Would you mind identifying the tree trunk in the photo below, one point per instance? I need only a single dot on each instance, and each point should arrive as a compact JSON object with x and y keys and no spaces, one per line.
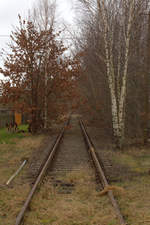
{"x":147,"y":89}
{"x":45,"y":97}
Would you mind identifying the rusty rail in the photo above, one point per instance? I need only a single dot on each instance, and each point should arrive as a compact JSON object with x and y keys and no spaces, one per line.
{"x":101,"y":173}
{"x":41,"y":175}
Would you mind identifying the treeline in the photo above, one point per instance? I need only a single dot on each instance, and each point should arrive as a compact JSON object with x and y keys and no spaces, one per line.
{"x":40,"y":74}
{"x":115,"y":43}
{"x":112,"y":49}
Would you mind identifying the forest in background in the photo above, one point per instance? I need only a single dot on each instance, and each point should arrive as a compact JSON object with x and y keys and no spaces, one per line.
{"x":115,"y":41}
{"x":108,"y":68}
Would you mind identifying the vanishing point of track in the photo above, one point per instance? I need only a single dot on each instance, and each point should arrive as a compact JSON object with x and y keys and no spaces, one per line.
{"x":98,"y":166}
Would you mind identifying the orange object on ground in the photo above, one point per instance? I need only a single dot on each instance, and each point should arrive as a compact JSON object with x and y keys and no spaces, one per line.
{"x":18,"y":118}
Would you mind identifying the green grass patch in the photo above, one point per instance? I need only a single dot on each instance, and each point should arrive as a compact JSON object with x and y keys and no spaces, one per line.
{"x":8,"y":137}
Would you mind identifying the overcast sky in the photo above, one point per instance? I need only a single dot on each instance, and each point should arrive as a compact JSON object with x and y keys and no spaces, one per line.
{"x":9,"y":10}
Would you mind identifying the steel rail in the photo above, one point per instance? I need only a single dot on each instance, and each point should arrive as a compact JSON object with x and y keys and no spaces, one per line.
{"x":41,"y":175}
{"x":101,"y":173}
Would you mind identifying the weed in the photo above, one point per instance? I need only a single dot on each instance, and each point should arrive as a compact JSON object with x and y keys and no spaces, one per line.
{"x":8,"y":137}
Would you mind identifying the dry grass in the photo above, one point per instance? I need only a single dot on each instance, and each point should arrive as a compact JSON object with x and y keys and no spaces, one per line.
{"x":136,"y":159}
{"x":11,"y":200}
{"x":82,"y":207}
{"x":135,"y":203}
{"x":11,"y":157}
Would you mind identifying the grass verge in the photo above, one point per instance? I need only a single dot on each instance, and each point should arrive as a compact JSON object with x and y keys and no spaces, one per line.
{"x":11,"y":157}
{"x":135,"y":202}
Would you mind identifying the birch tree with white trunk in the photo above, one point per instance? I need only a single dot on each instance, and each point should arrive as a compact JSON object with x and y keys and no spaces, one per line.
{"x":116,"y":19}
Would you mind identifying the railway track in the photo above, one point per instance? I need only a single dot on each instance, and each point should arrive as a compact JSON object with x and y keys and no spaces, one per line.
{"x":62,"y":159}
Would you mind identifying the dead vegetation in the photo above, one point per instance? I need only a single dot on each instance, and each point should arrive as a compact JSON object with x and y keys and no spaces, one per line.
{"x":82,"y":207}
{"x":135,"y":201}
{"x":85,"y":205}
{"x":11,"y":157}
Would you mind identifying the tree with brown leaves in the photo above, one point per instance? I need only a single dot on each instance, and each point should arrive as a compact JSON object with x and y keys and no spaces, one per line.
{"x":37,"y":70}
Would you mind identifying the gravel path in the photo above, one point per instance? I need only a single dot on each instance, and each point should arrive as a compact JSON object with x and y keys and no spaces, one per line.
{"x":72,"y":154}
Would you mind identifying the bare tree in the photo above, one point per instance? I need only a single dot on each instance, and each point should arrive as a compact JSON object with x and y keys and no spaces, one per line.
{"x":115,"y":20}
{"x":44,"y":16}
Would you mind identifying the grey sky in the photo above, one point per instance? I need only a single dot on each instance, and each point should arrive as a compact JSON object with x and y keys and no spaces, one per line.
{"x":9,"y":10}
